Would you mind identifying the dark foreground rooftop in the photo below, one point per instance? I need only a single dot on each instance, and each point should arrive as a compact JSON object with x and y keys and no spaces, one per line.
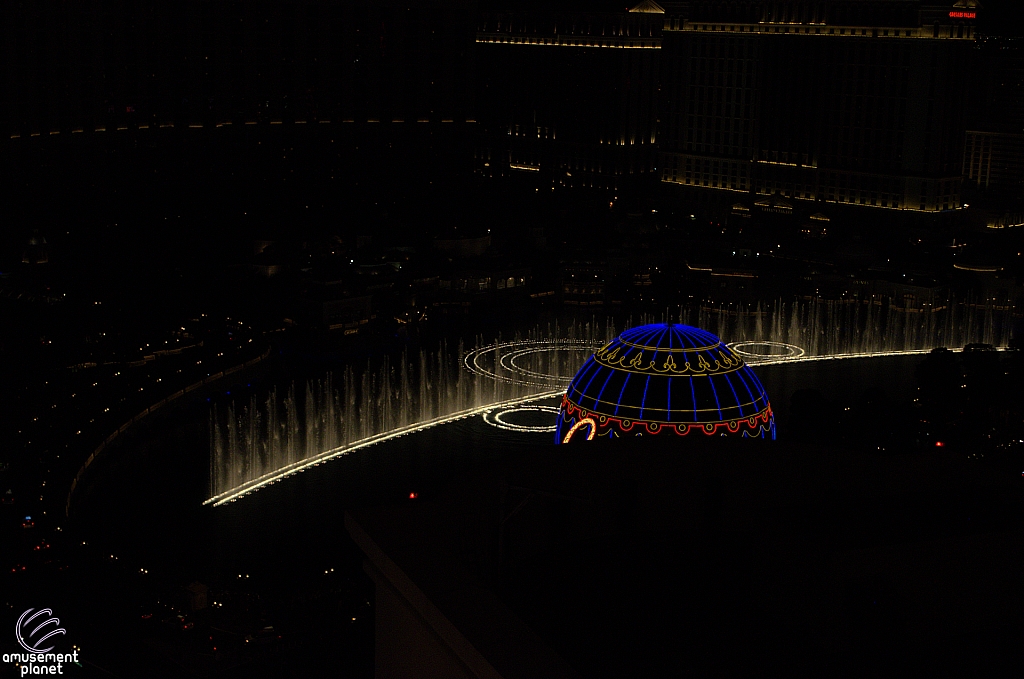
{"x":644,"y":558}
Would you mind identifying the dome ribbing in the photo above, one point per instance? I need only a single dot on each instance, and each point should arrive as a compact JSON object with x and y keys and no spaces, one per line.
{"x":665,"y":379}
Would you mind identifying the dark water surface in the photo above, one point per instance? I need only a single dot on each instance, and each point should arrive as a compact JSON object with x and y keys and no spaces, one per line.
{"x":144,"y":501}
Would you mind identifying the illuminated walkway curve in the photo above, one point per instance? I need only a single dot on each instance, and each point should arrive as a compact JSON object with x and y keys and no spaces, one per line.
{"x":302,"y":465}
{"x":472,"y":363}
{"x":775,"y":360}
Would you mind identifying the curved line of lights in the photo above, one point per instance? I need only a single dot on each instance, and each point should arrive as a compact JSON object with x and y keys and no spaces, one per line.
{"x":55,"y":621}
{"x":515,"y":374}
{"x":588,"y":421}
{"x":495,"y":417}
{"x":508,"y":362}
{"x":59,"y":630}
{"x":471,"y":361}
{"x":511,"y":372}
{"x":792,"y":350}
{"x":836,"y":357}
{"x":17,"y":631}
{"x":758,"y":422}
{"x":302,"y":465}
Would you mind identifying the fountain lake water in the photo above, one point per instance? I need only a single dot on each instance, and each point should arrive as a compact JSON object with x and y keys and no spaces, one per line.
{"x":272,"y":436}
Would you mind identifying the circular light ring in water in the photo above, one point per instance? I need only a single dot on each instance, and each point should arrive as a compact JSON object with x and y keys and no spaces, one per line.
{"x":787,"y":351}
{"x":481,"y":361}
{"x":495,"y":418}
{"x":508,"y":362}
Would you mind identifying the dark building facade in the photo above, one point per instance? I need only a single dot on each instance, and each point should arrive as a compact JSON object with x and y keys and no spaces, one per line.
{"x":993,"y":163}
{"x":857,"y":103}
{"x":569,"y":99}
{"x":851,"y":103}
{"x":83,"y":67}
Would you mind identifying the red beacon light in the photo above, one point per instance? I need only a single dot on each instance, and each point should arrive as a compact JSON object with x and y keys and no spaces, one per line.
{"x":413,"y":496}
{"x":939,"y":444}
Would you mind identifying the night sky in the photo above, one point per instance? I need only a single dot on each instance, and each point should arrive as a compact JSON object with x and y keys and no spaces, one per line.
{"x":242,"y":241}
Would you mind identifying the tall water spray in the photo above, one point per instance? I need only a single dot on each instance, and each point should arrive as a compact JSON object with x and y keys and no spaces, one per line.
{"x":251,"y":441}
{"x":268,"y":434}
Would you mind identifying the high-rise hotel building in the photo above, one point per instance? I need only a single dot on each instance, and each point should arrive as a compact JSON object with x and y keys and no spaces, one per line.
{"x":857,"y":102}
{"x":994,"y":148}
{"x":569,"y":99}
{"x":837,"y":101}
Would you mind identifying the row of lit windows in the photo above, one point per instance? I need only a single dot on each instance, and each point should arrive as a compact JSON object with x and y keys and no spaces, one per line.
{"x":707,"y":180}
{"x":855,"y":197}
{"x":583,"y":289}
{"x":837,"y":188}
{"x":530,"y":131}
{"x":584,"y":166}
{"x":629,"y":25}
{"x":800,"y":12}
{"x":562,"y":41}
{"x":935,"y":31}
{"x":482,"y":283}
{"x":709,"y":172}
{"x":510,"y":282}
{"x":787,"y":189}
{"x":144,"y":127}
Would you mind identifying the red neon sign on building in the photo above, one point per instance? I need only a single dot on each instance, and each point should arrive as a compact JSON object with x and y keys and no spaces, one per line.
{"x":962,"y":15}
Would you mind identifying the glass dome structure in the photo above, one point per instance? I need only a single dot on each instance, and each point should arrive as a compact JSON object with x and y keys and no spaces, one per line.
{"x":664,"y":379}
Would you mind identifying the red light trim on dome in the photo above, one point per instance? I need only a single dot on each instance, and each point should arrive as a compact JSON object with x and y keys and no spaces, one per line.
{"x":589,"y":421}
{"x":754,"y":423}
{"x":657,"y":357}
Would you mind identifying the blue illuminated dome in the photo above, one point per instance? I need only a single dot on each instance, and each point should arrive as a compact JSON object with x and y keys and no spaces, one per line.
{"x":664,"y":379}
